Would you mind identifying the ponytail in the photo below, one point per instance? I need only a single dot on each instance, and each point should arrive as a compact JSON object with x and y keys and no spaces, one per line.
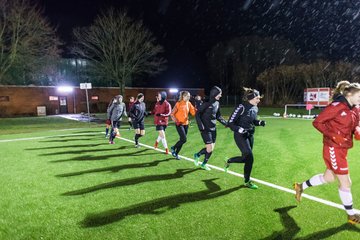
{"x":340,"y":88}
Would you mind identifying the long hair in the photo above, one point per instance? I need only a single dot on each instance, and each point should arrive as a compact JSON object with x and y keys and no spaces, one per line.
{"x":182,"y":94}
{"x":340,"y":87}
{"x":351,"y":89}
{"x":111,"y":102}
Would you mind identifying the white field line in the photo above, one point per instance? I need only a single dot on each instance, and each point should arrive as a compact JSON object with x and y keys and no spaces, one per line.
{"x":316,"y":199}
{"x":304,"y":195}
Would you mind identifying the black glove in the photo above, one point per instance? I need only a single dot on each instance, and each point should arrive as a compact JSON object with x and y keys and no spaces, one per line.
{"x":243,"y":132}
{"x":262,"y":123}
{"x":158,"y":114}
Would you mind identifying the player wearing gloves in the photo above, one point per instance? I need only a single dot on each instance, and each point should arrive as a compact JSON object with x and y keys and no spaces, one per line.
{"x":137,"y":114}
{"x":206,"y":116}
{"x":337,"y":122}
{"x":180,"y":115}
{"x":161,"y":112}
{"x":243,"y":121}
{"x":115,"y":112}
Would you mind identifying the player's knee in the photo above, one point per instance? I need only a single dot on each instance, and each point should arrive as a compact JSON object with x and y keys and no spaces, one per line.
{"x":248,"y":156}
{"x":329,"y":178}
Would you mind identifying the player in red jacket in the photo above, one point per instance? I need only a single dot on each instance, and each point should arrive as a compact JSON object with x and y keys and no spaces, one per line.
{"x":161,"y":113}
{"x":337,"y":122}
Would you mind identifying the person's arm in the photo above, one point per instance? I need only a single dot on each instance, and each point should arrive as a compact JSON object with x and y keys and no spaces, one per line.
{"x":220,"y":118}
{"x":192,"y":109}
{"x":167,"y":110}
{"x":109,"y":111}
{"x":321,"y":122}
{"x":238,"y":111}
{"x":133,"y":111}
{"x":124,"y":110}
{"x":259,"y":122}
{"x":173,"y":112}
{"x":198,"y":114}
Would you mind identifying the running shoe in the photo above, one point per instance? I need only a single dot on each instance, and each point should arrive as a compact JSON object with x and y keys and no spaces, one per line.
{"x":226,"y":166}
{"x":354,"y":219}
{"x":173,"y":153}
{"x":205,"y":167}
{"x":298,"y":191}
{"x":196,"y":159}
{"x":251,"y":185}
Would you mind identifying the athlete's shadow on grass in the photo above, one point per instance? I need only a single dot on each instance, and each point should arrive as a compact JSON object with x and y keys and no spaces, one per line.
{"x":66,"y":140}
{"x":68,"y":146}
{"x":105,"y":157}
{"x":291,"y":228}
{"x":73,"y":137}
{"x":157,"y":206}
{"x":116,"y":168}
{"x":87,"y":150}
{"x":133,"y":181}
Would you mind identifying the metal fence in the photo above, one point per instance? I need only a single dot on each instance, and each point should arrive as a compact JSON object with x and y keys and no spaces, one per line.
{"x":230,"y":100}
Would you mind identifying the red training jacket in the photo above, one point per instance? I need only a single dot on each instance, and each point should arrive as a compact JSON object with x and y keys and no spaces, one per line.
{"x":337,"y":119}
{"x":164,"y":109}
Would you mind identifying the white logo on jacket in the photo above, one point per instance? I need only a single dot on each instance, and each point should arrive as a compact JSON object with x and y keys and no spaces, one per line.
{"x":343,"y":114}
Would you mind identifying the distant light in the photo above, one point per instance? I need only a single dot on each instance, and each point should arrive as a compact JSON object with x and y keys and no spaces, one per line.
{"x":173,"y":90}
{"x":65,"y":89}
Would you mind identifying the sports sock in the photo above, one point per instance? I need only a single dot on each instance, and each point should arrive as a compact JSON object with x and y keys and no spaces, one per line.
{"x":207,"y":156}
{"x":137,"y":136}
{"x":202,"y":151}
{"x":163,"y":140}
{"x":158,"y":139}
{"x":346,"y":199}
{"x":106,"y":131}
{"x":314,"y":181}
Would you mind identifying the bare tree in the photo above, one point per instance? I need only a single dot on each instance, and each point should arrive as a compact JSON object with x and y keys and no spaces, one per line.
{"x":119,"y":48}
{"x":285,"y":84}
{"x":28,"y":44}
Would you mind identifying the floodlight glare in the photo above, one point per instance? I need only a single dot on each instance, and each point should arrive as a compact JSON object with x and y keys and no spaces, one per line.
{"x":65,"y":89}
{"x":173,"y":90}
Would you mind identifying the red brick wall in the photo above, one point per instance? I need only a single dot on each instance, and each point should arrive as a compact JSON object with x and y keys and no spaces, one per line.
{"x":24,"y":100}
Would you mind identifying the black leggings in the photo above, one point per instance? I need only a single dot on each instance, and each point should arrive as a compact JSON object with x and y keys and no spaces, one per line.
{"x":245,"y":144}
{"x":182,"y":131}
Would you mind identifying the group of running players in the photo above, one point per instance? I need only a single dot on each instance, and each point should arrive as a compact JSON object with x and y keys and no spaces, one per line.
{"x":242,"y":122}
{"x":338,"y":122}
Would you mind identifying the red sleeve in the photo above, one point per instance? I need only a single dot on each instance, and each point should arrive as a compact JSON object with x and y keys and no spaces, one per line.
{"x":321,"y":123}
{"x":167,"y":109}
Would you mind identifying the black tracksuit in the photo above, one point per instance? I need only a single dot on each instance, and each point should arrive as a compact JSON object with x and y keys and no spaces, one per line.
{"x":137,"y":114}
{"x":206,"y":116}
{"x":244,"y":116}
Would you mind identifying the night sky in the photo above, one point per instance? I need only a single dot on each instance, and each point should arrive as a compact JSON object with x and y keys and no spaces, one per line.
{"x":188,"y":29}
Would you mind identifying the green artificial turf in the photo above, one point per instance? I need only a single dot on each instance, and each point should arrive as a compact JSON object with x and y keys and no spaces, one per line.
{"x":72,"y":184}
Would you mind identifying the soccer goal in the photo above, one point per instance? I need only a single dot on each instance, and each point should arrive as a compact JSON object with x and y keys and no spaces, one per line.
{"x":298,"y":111}
{"x":313,"y":98}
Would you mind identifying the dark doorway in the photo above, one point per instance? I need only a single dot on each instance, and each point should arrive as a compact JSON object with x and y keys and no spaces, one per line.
{"x":63,"y":105}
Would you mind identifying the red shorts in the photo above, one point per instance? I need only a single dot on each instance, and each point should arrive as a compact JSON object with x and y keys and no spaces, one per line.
{"x":108,"y":122}
{"x":335,"y":159}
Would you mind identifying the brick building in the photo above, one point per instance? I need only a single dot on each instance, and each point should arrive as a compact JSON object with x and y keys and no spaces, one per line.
{"x":32,"y":100}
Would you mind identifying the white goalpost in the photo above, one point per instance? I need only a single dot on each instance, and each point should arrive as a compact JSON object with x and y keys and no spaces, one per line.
{"x":313,"y":97}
